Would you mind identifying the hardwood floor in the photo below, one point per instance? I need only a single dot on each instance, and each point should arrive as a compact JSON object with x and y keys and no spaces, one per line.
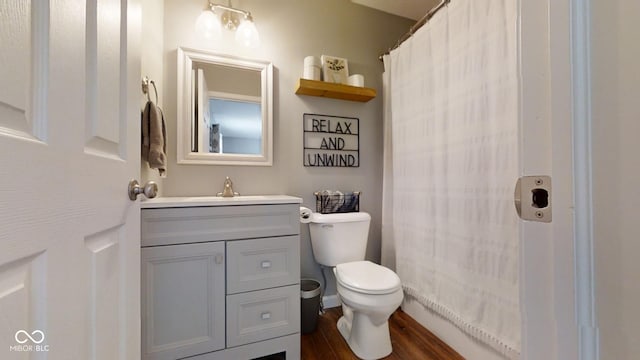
{"x":409,"y":339}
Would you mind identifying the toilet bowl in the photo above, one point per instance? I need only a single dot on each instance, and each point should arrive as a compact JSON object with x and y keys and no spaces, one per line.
{"x":370,"y":293}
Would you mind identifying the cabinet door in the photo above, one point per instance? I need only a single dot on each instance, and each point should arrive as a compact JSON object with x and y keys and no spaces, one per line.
{"x":183,"y":294}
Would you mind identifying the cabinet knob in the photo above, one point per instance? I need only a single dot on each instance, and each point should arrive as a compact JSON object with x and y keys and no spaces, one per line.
{"x":218,"y":259}
{"x":265,"y":264}
{"x":266,"y":315}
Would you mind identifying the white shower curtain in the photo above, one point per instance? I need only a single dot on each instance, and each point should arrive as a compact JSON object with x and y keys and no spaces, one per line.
{"x":451,"y":163}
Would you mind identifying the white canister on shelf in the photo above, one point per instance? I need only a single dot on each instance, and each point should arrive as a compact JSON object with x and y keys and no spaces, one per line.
{"x":312,"y":68}
{"x":356,"y":80}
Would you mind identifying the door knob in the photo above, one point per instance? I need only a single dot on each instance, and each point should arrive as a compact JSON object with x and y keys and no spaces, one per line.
{"x":150,"y":189}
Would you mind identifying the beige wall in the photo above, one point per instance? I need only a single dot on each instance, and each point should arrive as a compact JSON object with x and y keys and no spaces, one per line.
{"x":151,"y":65}
{"x":616,"y":175}
{"x":289,"y":31}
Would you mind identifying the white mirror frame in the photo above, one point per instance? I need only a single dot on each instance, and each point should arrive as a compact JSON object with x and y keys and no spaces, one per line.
{"x":186,"y":57}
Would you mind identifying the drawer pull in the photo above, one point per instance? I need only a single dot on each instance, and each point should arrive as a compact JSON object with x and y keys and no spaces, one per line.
{"x":265,"y":315}
{"x":265,"y":264}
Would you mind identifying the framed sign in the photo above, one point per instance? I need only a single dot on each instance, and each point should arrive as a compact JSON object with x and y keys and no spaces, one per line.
{"x":331,"y":141}
{"x":335,"y":69}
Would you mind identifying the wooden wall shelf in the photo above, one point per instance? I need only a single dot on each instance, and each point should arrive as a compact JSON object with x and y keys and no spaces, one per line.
{"x":334,"y":91}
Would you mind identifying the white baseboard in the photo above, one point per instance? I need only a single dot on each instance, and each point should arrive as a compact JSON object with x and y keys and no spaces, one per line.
{"x":330,"y":301}
{"x":464,"y":344}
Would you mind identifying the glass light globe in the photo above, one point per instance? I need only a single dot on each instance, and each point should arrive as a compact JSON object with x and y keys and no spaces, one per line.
{"x":208,"y":25}
{"x":247,"y":34}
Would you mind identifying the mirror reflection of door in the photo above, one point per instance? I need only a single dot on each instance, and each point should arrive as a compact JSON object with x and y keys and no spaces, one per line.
{"x":193,"y":117}
{"x":203,"y":117}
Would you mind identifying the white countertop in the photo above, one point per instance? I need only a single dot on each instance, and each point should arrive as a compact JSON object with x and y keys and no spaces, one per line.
{"x":191,"y":201}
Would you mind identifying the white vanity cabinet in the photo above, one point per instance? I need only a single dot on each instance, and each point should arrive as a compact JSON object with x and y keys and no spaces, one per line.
{"x":220,"y":279}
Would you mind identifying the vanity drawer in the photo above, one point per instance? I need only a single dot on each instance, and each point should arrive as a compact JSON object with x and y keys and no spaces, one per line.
{"x":168,"y":226}
{"x":264,"y":314}
{"x":262,"y":263}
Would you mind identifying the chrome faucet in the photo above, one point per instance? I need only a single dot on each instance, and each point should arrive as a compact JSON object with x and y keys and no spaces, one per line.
{"x":228,"y":189}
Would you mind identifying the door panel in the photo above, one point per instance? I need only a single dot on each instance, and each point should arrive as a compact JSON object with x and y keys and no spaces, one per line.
{"x":104,"y":292}
{"x":104,"y":118}
{"x":19,"y":294}
{"x":24,"y":57}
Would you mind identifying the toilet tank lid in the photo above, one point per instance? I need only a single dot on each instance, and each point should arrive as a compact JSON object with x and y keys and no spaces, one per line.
{"x":340,"y":218}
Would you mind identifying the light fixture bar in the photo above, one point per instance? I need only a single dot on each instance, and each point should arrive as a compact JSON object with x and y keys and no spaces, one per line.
{"x":214,"y":6}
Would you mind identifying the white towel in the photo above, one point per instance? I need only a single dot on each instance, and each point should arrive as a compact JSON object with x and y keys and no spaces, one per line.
{"x":339,"y":198}
{"x":331,"y":200}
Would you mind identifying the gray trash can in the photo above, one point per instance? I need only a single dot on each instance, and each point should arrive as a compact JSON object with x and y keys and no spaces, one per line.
{"x":310,"y":304}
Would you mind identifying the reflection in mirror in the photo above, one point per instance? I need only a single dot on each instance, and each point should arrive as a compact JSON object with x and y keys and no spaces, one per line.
{"x":235,"y":126}
{"x":225,"y":109}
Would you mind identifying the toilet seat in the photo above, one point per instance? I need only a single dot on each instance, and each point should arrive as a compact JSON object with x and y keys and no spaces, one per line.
{"x":367,"y":278}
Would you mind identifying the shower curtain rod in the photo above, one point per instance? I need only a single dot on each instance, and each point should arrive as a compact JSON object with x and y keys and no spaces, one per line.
{"x":423,"y":20}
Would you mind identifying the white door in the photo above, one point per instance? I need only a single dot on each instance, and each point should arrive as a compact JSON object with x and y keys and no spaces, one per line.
{"x":69,"y":144}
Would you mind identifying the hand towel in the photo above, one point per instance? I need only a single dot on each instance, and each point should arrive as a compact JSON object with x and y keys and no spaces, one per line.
{"x":338,"y":198}
{"x":331,"y":201}
{"x":154,"y":134}
{"x":350,"y":202}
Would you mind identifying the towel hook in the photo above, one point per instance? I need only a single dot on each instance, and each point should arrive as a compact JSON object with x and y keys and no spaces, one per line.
{"x":145,"y":88}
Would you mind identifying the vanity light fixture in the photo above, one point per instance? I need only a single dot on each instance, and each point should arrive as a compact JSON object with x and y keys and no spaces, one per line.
{"x":216,"y":16}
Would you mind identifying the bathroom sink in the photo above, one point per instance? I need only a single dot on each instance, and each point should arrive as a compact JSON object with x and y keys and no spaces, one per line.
{"x":190,"y":201}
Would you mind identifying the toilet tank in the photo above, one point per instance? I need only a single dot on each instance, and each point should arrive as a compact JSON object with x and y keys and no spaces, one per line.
{"x":339,"y":238}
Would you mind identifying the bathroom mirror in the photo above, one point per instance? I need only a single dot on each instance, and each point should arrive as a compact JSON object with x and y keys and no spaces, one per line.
{"x":225,"y":109}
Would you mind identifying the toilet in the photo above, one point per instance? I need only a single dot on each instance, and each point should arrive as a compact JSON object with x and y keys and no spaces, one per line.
{"x":370,"y":293}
